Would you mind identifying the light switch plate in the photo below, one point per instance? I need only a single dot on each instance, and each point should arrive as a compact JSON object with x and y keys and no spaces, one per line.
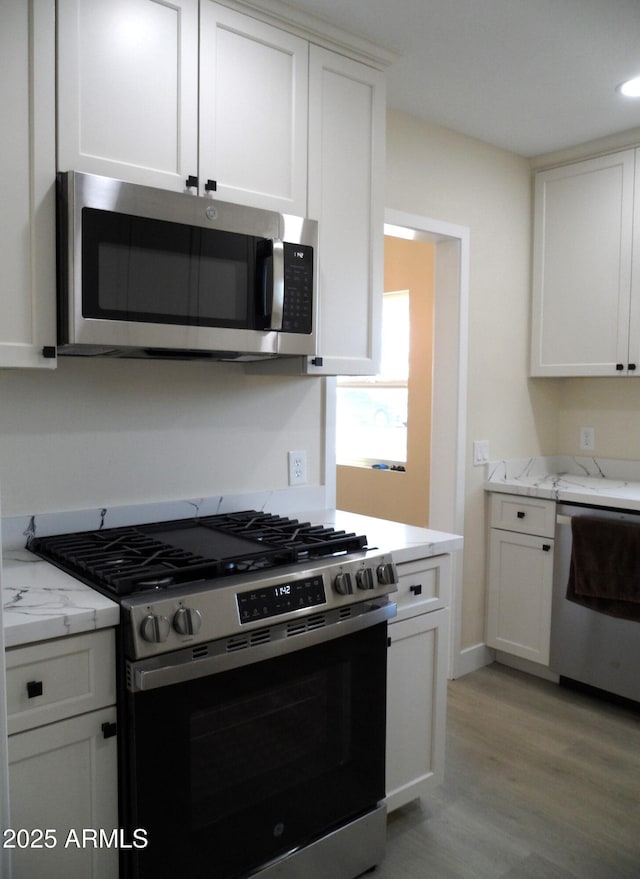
{"x":480,"y":452}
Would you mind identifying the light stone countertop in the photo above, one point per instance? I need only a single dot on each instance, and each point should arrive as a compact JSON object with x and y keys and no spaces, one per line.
{"x":405,"y":542}
{"x":595,"y":481}
{"x":42,"y":602}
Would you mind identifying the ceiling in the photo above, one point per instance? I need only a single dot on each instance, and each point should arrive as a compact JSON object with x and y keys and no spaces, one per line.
{"x":532,"y":76}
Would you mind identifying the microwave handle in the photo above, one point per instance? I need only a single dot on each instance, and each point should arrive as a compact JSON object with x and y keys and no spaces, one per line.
{"x":277,"y":303}
{"x":270,"y":302}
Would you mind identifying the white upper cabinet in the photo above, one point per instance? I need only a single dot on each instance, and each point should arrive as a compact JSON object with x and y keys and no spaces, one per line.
{"x":156,"y":92}
{"x":159,"y":91}
{"x":128,"y":89}
{"x":253,"y":111}
{"x":346,"y":196}
{"x":27,"y":183}
{"x":583,"y":303}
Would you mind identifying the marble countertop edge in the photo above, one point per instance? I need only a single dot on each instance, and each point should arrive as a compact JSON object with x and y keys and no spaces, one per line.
{"x":40,"y":602}
{"x":597,"y":482}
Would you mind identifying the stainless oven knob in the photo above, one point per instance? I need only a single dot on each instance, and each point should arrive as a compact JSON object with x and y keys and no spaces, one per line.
{"x":343,"y":585}
{"x":155,"y":628}
{"x":386,"y":574}
{"x":187,"y":621}
{"x":364,"y":578}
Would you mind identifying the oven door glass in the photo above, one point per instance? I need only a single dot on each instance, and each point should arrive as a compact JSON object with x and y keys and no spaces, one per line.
{"x":231,"y":771}
{"x":143,"y":269}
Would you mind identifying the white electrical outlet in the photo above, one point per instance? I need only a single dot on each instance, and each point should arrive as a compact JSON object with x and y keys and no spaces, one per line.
{"x":297,"y":468}
{"x":587,"y":439}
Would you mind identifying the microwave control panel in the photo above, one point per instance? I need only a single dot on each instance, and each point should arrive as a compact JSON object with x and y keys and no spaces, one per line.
{"x":298,"y":288}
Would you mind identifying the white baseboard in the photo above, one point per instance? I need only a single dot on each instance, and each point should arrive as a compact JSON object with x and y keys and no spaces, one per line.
{"x":471,"y":659}
{"x":532,"y":668}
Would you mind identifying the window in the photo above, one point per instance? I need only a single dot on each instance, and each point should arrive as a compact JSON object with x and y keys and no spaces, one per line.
{"x":371,"y":418}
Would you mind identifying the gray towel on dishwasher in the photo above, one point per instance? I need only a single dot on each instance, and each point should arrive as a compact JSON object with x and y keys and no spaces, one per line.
{"x":605,"y":566}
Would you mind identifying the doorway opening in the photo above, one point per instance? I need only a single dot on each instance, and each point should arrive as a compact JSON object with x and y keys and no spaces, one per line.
{"x":383,"y":422}
{"x":446,"y":462}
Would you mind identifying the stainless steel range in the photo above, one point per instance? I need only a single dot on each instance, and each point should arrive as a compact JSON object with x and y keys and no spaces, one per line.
{"x":252,"y":692}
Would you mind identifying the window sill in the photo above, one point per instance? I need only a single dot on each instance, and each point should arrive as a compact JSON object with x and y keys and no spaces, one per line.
{"x":384,"y":466}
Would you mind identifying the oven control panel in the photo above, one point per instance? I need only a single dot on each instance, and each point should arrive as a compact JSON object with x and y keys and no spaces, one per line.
{"x":271,"y":601}
{"x":208,"y":611}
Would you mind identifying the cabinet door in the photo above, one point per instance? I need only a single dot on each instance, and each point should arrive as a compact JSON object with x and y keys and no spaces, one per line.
{"x":27,"y":182}
{"x":253,"y":111}
{"x":582,"y":267}
{"x":346,"y":195}
{"x":634,"y":322}
{"x":63,"y":777}
{"x":416,"y":705}
{"x":128,"y":89}
{"x":520,"y":584}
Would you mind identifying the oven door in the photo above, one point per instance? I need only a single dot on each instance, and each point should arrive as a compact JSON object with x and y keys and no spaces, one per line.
{"x":233,"y":770}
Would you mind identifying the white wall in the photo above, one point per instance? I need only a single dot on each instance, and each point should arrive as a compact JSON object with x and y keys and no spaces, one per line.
{"x":449,"y":177}
{"x":116,"y":432}
{"x":610,"y":405}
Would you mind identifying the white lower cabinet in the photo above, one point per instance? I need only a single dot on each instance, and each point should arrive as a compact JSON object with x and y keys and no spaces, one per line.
{"x":63,"y":759}
{"x":416,"y":710}
{"x":520,"y":576}
{"x":62,"y":780}
{"x":417,"y":680}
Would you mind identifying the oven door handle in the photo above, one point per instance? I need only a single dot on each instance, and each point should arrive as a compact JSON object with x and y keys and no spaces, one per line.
{"x":161,"y":671}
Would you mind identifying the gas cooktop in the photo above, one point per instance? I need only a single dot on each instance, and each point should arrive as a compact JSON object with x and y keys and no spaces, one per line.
{"x":121,"y":561}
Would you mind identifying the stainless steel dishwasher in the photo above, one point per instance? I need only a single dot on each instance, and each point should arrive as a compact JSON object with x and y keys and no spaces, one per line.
{"x":588,"y":647}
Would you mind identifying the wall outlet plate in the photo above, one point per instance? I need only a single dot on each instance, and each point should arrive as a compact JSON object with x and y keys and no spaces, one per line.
{"x":587,"y":439}
{"x":297,"y":468}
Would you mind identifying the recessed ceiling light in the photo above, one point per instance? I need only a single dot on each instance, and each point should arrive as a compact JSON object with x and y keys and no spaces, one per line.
{"x":630,"y":88}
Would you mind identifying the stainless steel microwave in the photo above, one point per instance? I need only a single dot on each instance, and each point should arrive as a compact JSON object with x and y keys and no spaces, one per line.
{"x":144,"y":272}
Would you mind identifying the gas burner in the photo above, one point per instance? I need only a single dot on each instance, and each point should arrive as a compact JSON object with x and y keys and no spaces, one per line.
{"x":162,"y":555}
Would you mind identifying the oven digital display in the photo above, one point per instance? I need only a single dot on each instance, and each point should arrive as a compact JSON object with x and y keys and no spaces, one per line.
{"x":271,"y":601}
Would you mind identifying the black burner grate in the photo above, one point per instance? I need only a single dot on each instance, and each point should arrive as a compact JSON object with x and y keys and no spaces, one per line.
{"x":165,"y":554}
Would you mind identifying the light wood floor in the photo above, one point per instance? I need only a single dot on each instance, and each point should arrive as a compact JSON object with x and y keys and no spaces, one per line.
{"x":540,"y":783}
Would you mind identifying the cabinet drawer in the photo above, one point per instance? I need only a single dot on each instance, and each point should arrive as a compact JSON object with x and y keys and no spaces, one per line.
{"x":423,"y":585}
{"x":526,"y":515}
{"x":61,"y":678}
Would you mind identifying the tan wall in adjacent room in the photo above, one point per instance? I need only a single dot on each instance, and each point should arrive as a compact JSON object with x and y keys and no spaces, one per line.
{"x":403,"y":497}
